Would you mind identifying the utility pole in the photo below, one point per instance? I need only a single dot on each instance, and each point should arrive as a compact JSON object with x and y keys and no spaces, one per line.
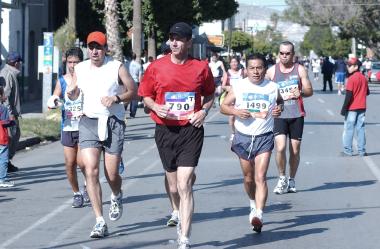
{"x":72,"y":13}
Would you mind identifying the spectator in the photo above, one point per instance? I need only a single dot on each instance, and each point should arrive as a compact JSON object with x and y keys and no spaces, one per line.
{"x":10,"y":72}
{"x":327,"y":71}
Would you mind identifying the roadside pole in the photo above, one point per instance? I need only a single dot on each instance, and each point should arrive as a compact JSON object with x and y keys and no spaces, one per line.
{"x":47,"y":69}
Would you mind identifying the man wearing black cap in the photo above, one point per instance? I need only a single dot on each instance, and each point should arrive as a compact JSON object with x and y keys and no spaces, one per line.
{"x":10,"y":72}
{"x":172,"y":88}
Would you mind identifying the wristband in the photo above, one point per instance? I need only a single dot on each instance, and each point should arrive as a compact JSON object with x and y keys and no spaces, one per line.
{"x":118,"y":99}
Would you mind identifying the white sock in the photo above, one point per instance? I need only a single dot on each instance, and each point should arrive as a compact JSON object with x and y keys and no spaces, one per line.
{"x":115,"y":197}
{"x":252,"y":203}
{"x":184,"y":239}
{"x":77,"y":193}
{"x":259,"y":212}
{"x":100,"y":220}
{"x":283,"y":177}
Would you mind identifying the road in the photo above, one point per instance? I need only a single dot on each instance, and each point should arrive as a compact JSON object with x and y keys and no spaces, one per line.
{"x":337,"y":204}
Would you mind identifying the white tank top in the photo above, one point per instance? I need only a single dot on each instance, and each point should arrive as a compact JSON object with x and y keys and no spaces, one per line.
{"x":255,"y":98}
{"x":97,"y":83}
{"x":216,"y":68}
{"x":234,"y":76}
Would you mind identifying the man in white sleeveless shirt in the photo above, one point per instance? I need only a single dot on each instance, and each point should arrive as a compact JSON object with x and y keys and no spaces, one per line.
{"x":105,"y":84}
{"x":254,"y":101}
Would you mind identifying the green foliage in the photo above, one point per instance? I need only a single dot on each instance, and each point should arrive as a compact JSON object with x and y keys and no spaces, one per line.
{"x":321,"y":40}
{"x":65,"y":36}
{"x":41,"y":127}
{"x":358,"y":19}
{"x":264,"y":42}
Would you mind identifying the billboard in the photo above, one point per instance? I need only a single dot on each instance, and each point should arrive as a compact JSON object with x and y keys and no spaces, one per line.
{"x":216,"y":40}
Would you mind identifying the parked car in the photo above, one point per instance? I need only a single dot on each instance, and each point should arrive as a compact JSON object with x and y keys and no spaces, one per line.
{"x":374,"y":73}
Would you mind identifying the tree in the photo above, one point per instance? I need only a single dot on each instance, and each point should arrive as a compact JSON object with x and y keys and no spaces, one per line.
{"x":323,"y":42}
{"x":137,"y":29}
{"x":240,"y":41}
{"x":112,"y":28}
{"x":358,"y":19}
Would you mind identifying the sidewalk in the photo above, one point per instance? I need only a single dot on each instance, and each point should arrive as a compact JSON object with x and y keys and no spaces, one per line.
{"x":30,"y":109}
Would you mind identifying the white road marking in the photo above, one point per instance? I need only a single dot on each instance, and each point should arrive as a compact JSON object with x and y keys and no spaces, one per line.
{"x":52,"y":214}
{"x":331,"y":113}
{"x":321,"y":100}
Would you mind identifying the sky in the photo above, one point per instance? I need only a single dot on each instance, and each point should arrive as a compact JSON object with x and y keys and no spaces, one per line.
{"x":275,"y":4}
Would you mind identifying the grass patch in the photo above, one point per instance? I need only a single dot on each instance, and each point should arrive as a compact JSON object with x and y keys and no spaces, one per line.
{"x":46,"y":128}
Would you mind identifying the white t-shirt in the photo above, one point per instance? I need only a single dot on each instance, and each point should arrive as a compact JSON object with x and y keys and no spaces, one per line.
{"x":98,"y":82}
{"x":255,"y":98}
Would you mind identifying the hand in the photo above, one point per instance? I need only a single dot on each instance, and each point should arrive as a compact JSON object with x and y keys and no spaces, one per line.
{"x":198,"y":118}
{"x":107,"y":101}
{"x":53,"y":102}
{"x":243,"y":114}
{"x":276,"y":112}
{"x":161,"y":110}
{"x":296,"y":93}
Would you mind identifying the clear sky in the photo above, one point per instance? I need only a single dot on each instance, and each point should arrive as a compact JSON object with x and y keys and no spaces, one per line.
{"x":275,"y":4}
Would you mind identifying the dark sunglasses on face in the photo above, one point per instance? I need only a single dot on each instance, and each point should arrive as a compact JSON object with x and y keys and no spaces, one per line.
{"x":96,"y":46}
{"x":285,"y":53}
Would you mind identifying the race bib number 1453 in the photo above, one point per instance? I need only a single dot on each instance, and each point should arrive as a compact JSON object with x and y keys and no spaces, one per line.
{"x":181,"y":104}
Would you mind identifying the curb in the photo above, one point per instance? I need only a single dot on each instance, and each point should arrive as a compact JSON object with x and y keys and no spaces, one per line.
{"x":32,"y":141}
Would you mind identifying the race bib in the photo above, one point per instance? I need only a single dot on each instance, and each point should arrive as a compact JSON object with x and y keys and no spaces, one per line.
{"x":256,"y":103}
{"x":181,"y":105}
{"x":287,"y":86}
{"x":73,"y":111}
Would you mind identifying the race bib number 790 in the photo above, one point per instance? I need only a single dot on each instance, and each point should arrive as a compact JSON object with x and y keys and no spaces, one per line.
{"x":181,"y":104}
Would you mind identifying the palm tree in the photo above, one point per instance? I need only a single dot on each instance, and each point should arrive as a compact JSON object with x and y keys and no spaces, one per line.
{"x":112,"y":24}
{"x":72,"y":13}
{"x":137,"y":28}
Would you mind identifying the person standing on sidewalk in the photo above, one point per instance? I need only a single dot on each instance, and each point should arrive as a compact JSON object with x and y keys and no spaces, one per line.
{"x":10,"y":72}
{"x":105,"y":84}
{"x":354,"y":108}
{"x":4,"y":123}
{"x":136,"y":71}
{"x":254,"y":101}
{"x":294,"y":85}
{"x":173,"y":88}
{"x":71,"y":113}
{"x":340,"y":70}
{"x":327,"y":71}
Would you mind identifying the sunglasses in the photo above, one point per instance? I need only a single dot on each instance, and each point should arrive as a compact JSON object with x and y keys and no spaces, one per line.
{"x":96,"y":46}
{"x":285,"y":53}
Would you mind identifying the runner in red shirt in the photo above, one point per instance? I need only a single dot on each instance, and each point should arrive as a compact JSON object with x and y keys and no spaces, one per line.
{"x":172,"y":88}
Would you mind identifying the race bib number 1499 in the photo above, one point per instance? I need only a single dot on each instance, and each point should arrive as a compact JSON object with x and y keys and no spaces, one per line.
{"x":181,"y":104}
{"x":256,"y":103}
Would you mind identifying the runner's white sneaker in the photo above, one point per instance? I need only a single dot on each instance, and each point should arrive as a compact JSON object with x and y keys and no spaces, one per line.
{"x":292,"y":186}
{"x":257,"y":223}
{"x":184,"y":244}
{"x":100,"y":230}
{"x":252,"y":214}
{"x":173,"y":221}
{"x":282,"y":186}
{"x":116,"y":208}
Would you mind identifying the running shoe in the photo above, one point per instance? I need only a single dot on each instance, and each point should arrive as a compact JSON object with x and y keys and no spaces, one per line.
{"x":257,"y":223}
{"x":86,"y":198}
{"x":173,"y":221}
{"x":184,"y":244}
{"x":121,"y":167}
{"x":6,"y":184}
{"x":292,"y":186}
{"x":282,"y":186}
{"x":100,"y":230}
{"x":116,"y":208}
{"x":11,"y":168}
{"x":179,"y":231}
{"x":77,"y":201}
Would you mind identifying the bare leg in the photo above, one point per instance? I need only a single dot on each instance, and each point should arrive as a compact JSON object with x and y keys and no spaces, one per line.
{"x":294,"y":156}
{"x":281,"y":154}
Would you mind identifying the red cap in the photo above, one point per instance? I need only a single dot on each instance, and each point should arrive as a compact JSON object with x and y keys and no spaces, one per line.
{"x":97,"y":37}
{"x":353,"y":61}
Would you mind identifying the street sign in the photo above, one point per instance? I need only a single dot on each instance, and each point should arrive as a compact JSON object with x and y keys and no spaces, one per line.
{"x":216,"y":40}
{"x":48,"y":52}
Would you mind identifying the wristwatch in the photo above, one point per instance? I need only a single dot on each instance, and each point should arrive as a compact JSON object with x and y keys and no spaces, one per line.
{"x":118,"y":100}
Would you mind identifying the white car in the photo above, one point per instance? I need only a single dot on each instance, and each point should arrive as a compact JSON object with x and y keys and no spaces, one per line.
{"x":374,"y":75}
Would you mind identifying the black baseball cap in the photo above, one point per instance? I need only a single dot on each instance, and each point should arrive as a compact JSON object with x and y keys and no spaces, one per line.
{"x":181,"y":29}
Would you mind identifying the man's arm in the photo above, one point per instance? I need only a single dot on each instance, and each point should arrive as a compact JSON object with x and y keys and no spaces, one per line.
{"x":270,"y":73}
{"x":307,"y":89}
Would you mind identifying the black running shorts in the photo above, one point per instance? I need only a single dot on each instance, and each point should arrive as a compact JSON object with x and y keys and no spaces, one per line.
{"x":179,"y":145}
{"x":293,"y":127}
{"x":70,"y":138}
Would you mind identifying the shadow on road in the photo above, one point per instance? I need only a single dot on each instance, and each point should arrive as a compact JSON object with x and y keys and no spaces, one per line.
{"x":337,"y":185}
